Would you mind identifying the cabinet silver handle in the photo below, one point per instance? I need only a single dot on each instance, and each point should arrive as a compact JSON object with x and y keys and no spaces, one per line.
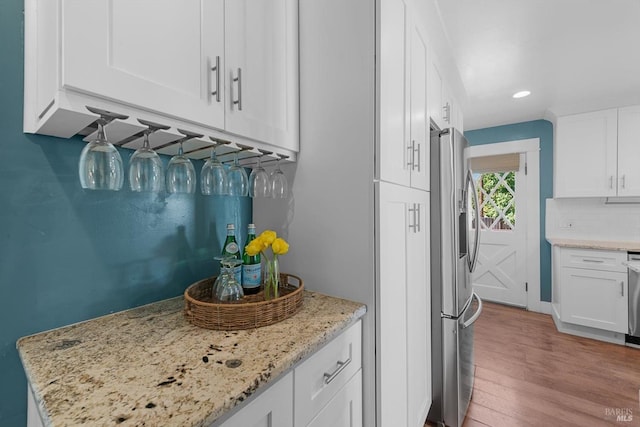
{"x":239,"y":80}
{"x":216,"y":68}
{"x":328,"y":377}
{"x":414,"y":154}
{"x":592,"y":260}
{"x":623,"y":181}
{"x":447,"y":113}
{"x":415,"y":224}
{"x":622,"y":288}
{"x":411,"y":155}
{"x":611,"y":182}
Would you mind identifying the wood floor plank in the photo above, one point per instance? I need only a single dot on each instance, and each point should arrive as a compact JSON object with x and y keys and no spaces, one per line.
{"x":529,"y":374}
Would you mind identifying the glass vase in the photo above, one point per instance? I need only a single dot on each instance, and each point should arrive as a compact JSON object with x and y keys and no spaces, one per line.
{"x":271,"y":279}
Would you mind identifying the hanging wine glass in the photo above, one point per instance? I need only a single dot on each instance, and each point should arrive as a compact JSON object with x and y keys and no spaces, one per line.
{"x":181,"y":175}
{"x":238,"y":180}
{"x":213,"y":177}
{"x":100,"y":166}
{"x":146,"y":172}
{"x":259,"y":184}
{"x":279,"y":184}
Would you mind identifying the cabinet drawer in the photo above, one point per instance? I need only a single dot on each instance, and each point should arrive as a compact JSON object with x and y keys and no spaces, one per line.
{"x":345,"y":409}
{"x":593,"y":259}
{"x":319,"y":378}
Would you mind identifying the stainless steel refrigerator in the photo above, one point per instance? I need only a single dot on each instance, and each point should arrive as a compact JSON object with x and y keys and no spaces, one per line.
{"x":454,"y":253}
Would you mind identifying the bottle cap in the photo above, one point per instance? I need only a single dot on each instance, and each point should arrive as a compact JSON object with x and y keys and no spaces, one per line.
{"x":252,"y":226}
{"x":231,"y":227}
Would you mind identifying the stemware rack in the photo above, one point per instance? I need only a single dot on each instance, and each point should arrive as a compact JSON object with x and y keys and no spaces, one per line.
{"x":129,"y":134}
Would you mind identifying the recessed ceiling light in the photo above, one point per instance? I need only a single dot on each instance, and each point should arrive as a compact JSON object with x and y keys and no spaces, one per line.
{"x":521,"y":94}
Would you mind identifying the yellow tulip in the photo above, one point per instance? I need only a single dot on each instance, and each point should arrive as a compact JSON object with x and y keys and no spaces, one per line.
{"x":267,"y":237}
{"x":254,"y":247}
{"x":280,"y":246}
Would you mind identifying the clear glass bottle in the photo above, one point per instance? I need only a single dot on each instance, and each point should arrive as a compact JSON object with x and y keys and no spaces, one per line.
{"x":251,"y":266}
{"x":230,"y":249}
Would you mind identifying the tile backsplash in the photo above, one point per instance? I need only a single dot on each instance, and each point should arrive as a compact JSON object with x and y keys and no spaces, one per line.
{"x":593,"y":219}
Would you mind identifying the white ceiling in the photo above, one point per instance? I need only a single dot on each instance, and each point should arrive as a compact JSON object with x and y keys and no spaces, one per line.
{"x":573,"y":55}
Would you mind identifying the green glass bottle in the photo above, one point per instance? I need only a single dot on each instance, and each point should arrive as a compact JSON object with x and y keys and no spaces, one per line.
{"x":251,"y":266}
{"x":231,"y":249}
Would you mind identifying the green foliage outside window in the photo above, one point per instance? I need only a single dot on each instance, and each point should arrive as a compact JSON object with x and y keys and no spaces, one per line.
{"x":500,"y":196}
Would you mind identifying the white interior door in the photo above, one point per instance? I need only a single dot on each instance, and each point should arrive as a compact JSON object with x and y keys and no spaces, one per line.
{"x":500,"y":273}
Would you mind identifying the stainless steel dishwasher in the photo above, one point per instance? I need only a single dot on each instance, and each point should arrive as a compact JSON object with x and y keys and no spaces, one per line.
{"x":633,"y":264}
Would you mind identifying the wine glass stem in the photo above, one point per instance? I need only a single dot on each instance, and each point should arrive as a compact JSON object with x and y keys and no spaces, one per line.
{"x":101,"y":132}
{"x":145,"y":143}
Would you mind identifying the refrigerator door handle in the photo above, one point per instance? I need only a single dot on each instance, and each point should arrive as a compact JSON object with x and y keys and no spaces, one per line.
{"x":472,"y":260}
{"x":475,"y":316}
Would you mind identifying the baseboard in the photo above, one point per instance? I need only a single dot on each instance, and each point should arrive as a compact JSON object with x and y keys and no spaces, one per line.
{"x":543,"y":307}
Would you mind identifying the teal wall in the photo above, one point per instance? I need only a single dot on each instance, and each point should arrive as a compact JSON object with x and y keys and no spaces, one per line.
{"x":542,"y":129}
{"x":67,"y":254}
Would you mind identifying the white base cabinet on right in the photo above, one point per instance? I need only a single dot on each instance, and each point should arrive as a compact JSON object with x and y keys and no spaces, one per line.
{"x":593,"y":288}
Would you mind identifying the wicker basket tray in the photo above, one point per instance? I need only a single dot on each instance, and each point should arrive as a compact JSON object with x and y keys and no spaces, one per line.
{"x":251,"y":312}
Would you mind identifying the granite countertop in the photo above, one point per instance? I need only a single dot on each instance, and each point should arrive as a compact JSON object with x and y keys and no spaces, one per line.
{"x":149,"y":366}
{"x":595,"y":244}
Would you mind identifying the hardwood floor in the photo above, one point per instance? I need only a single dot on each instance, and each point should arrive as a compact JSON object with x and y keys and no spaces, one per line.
{"x":529,"y":374}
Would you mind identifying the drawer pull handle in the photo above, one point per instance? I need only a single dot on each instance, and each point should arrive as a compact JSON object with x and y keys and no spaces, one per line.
{"x":593,"y":260}
{"x":621,"y":288}
{"x":328,"y":377}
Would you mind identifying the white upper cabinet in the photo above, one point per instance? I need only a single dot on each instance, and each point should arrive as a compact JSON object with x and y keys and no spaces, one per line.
{"x":419,"y":126}
{"x":596,"y":154}
{"x":585,"y":155}
{"x":151,"y":54}
{"x":403,"y":147}
{"x":394,"y":142}
{"x":227,"y":69}
{"x":261,"y":77}
{"x":629,"y":151}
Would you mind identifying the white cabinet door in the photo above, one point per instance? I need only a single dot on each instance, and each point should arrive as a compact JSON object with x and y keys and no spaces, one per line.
{"x":345,"y":409}
{"x":595,"y":298}
{"x":418,"y":312}
{"x":153,"y":54}
{"x":419,"y":164}
{"x":585,"y":163}
{"x":404,"y":306}
{"x":274,"y":407}
{"x":435,"y":95}
{"x":261,"y":71}
{"x":394,"y":150}
{"x":392,"y":319}
{"x":404,"y":127}
{"x":629,"y":151}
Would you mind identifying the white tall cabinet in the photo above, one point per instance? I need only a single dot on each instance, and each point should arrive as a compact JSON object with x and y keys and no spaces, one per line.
{"x":357,"y":219}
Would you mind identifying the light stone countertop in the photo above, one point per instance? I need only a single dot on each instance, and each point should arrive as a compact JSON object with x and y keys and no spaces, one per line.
{"x":596,"y":244}
{"x":149,"y":367}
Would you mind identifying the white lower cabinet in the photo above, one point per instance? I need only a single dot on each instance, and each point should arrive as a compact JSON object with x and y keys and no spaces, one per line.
{"x":593,"y":288}
{"x":327,"y":389}
{"x":274,"y":407}
{"x":345,"y":409}
{"x":319,"y":379}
